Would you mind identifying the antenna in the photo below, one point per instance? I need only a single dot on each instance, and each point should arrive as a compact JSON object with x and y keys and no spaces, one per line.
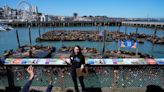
{"x":147,"y":17}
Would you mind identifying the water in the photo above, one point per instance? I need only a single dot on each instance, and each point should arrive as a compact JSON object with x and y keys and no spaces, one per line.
{"x":8,"y":39}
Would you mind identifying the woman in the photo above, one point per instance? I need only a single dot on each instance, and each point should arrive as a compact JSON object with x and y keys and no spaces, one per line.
{"x":77,"y":60}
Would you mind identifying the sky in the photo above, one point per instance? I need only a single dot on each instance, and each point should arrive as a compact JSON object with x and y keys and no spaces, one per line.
{"x":111,"y":8}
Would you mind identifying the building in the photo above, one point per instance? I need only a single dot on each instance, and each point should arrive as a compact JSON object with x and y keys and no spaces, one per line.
{"x":6,"y":11}
{"x":44,"y":18}
{"x":82,"y":19}
{"x":1,"y":13}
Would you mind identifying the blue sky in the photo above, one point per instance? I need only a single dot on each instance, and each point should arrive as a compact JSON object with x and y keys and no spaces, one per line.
{"x":112,"y":8}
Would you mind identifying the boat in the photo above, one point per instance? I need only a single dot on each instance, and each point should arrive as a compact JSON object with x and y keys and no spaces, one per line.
{"x":2,"y":29}
{"x":5,"y":27}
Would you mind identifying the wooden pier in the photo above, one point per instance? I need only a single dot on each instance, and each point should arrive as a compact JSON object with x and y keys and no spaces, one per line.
{"x":144,"y":24}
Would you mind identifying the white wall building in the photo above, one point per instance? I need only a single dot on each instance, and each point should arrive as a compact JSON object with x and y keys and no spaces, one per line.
{"x":44,"y":18}
{"x":81,"y":19}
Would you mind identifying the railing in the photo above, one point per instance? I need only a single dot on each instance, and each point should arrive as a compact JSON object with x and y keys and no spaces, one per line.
{"x":98,"y":76}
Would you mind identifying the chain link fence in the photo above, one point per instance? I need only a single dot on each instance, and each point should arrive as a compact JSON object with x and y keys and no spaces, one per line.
{"x":98,"y":76}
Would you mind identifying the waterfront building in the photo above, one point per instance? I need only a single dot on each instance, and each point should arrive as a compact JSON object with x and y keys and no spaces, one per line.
{"x":44,"y":18}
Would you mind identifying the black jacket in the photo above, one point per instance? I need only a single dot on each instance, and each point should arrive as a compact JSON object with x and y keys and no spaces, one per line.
{"x":77,"y":60}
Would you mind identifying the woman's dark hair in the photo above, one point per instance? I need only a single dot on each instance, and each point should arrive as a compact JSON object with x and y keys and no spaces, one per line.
{"x":154,"y":88}
{"x":2,"y":90}
{"x":69,"y":90}
{"x":33,"y":90}
{"x":80,"y":50}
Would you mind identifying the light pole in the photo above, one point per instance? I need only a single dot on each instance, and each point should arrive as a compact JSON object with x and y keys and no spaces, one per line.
{"x":104,"y":41}
{"x":29,"y":34}
{"x":17,"y":36}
